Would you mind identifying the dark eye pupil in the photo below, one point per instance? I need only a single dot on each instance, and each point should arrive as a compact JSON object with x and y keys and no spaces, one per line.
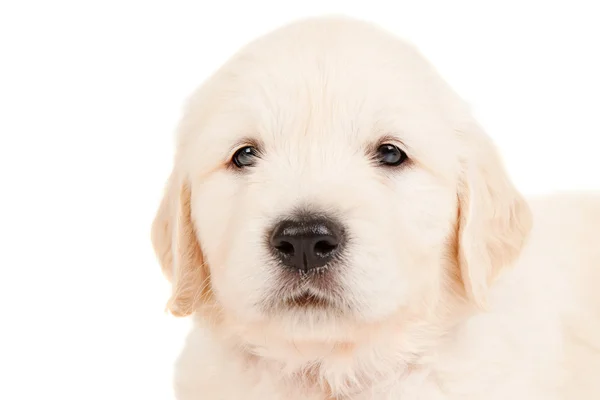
{"x":245,"y":157}
{"x":389,"y":154}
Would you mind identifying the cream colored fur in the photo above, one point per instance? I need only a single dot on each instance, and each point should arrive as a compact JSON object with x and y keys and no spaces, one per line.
{"x":459,"y":288}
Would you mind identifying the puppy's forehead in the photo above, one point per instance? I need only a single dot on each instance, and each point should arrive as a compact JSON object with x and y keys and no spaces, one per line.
{"x":330,"y":80}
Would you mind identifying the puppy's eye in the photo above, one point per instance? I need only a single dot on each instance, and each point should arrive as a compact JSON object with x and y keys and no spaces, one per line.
{"x":245,"y":157}
{"x":390,"y":155}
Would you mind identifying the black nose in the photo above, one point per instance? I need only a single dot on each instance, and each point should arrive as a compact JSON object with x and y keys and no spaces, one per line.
{"x":307,"y":244}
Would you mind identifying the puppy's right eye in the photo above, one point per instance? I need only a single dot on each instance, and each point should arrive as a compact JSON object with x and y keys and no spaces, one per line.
{"x":245,"y":157}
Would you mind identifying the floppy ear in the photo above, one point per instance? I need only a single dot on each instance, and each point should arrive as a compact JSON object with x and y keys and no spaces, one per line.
{"x":177,"y":248}
{"x":494,"y":219}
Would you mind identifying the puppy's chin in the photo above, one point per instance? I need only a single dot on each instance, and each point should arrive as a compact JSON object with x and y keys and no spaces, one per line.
{"x":301,"y":335}
{"x":309,"y":315}
{"x":302,"y":314}
{"x":311,"y":318}
{"x":302,"y":325}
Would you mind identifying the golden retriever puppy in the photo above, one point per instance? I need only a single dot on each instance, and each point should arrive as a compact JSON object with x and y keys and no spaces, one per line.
{"x":338,"y":226}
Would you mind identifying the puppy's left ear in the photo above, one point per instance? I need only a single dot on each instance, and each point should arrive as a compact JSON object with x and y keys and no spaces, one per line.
{"x":494,"y":218}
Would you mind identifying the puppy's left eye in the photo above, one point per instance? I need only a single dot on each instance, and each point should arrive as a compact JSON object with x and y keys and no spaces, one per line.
{"x":390,"y":155}
{"x":245,"y":157}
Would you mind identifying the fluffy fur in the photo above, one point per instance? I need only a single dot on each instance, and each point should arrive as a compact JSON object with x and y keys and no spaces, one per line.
{"x":454,"y":285}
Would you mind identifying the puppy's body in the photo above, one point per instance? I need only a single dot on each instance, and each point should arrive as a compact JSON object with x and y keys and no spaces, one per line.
{"x":434,"y":278}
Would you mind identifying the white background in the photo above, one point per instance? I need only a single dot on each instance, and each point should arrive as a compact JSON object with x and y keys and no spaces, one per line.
{"x":90,"y":92}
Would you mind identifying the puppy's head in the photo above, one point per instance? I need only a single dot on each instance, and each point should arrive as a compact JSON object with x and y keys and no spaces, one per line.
{"x":327,"y":178}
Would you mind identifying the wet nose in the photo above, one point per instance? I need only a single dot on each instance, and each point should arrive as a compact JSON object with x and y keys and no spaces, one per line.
{"x":308,"y":244}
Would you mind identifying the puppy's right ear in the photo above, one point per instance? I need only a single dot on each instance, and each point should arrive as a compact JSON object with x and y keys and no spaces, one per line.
{"x":176,"y":245}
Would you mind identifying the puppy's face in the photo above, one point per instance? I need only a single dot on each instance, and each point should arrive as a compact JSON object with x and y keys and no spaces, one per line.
{"x":326,"y":169}
{"x":327,"y":202}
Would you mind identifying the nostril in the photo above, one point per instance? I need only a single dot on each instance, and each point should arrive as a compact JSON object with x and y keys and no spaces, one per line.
{"x":285,"y":248}
{"x":324,"y":248}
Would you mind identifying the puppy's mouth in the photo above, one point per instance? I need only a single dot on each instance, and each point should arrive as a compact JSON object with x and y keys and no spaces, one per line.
{"x":307,"y":299}
{"x":313,"y":290}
